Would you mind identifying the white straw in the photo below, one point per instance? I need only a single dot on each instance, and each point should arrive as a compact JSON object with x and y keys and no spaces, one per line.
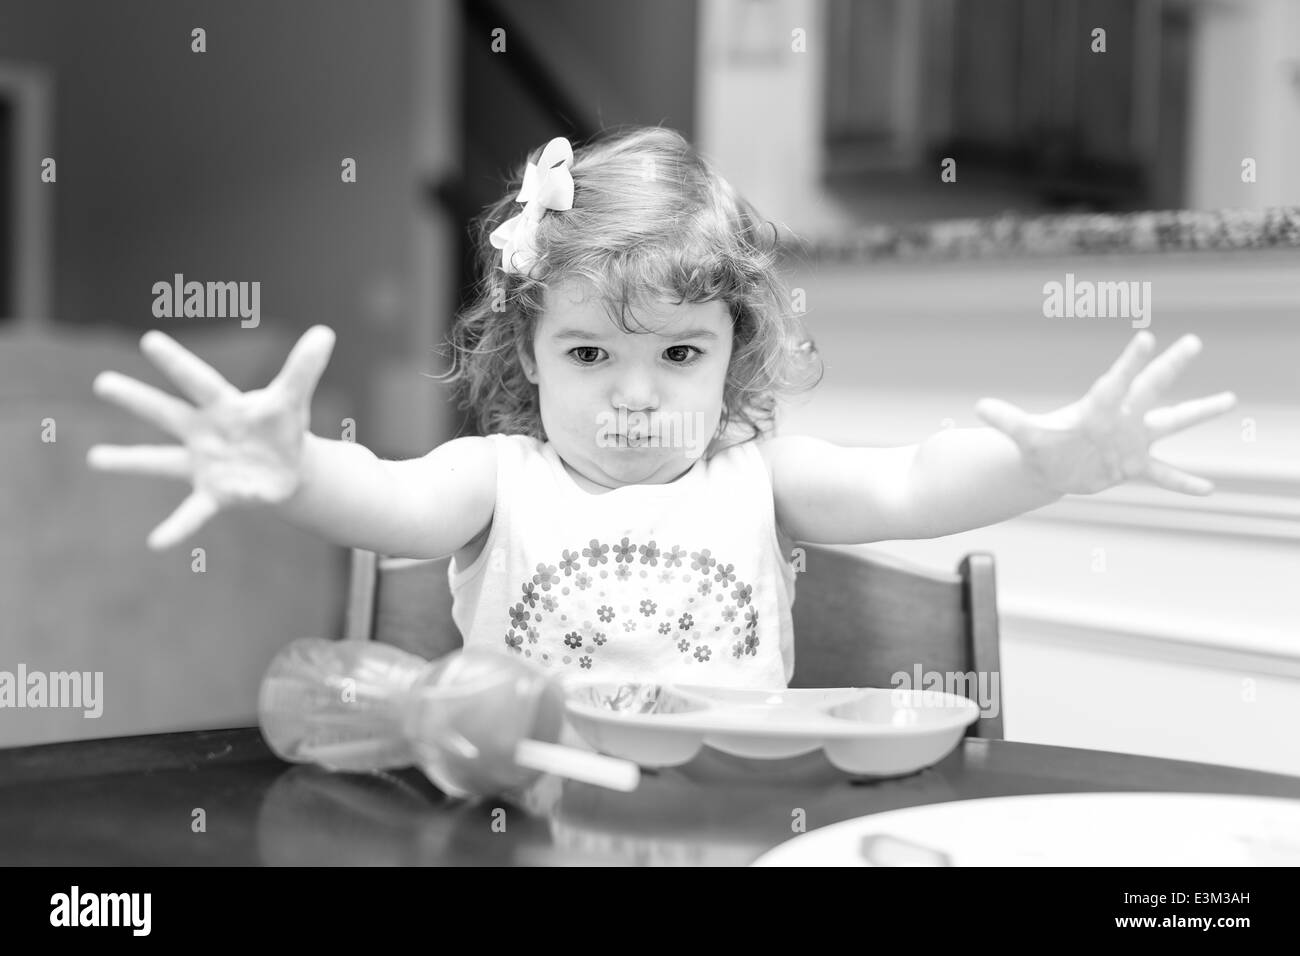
{"x":609,"y":772}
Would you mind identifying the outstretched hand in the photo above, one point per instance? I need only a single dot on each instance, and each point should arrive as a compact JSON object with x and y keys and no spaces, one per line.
{"x":237,"y":448}
{"x":1104,"y":438}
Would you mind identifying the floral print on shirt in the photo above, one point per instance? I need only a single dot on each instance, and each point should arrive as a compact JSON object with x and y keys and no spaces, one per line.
{"x":713,"y":616}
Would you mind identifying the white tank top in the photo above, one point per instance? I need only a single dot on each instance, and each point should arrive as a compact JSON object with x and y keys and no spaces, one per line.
{"x":681,"y":582}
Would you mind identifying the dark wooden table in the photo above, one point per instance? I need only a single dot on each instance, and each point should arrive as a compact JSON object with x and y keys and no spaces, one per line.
{"x":135,"y":800}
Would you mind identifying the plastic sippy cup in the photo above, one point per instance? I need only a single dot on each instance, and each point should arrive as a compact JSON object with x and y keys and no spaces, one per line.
{"x":475,"y":721}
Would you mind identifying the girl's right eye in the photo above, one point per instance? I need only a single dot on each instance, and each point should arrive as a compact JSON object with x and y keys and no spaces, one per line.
{"x":583,"y":359}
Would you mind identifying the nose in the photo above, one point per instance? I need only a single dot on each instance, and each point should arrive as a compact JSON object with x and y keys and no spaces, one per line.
{"x":637,"y":392}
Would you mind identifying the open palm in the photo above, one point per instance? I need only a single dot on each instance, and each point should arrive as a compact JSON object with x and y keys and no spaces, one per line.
{"x":1104,"y":438}
{"x":236,"y":448}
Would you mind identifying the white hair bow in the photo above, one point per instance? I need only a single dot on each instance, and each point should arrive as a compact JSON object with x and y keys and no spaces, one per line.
{"x":547,"y":185}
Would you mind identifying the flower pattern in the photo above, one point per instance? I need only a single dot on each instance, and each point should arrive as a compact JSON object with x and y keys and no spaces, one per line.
{"x":701,"y":561}
{"x":518,"y":616}
{"x":545,"y":576}
{"x":624,"y":551}
{"x":541,"y":601}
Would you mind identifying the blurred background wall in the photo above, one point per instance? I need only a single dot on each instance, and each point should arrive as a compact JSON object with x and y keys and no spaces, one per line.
{"x":225,"y":166}
{"x":222,"y":165}
{"x":1134,"y":620}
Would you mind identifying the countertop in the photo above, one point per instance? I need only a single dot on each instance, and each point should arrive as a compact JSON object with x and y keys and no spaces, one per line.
{"x":1015,"y":236}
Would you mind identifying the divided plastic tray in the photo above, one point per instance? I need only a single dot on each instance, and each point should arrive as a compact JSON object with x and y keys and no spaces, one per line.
{"x":863,"y":731}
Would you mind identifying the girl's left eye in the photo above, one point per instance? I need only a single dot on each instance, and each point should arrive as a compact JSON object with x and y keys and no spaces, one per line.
{"x":687,"y":359}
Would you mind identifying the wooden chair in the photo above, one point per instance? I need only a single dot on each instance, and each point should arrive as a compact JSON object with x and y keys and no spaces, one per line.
{"x":859,"y":619}
{"x":401,"y":601}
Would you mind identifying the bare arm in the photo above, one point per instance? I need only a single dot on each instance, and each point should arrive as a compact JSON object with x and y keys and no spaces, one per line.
{"x":420,"y":508}
{"x":955,"y":480}
{"x":965,"y":478}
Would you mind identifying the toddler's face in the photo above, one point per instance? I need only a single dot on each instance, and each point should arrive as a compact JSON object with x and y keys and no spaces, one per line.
{"x":670,"y":379}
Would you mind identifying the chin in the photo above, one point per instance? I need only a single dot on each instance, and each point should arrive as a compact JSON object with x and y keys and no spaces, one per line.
{"x":643,"y":462}
{"x":622,"y":458}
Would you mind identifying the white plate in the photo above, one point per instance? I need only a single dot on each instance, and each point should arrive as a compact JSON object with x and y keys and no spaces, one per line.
{"x":1061,"y":829}
{"x":864,"y":731}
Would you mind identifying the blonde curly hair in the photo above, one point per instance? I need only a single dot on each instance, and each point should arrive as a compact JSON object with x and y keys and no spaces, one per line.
{"x":651,"y":220}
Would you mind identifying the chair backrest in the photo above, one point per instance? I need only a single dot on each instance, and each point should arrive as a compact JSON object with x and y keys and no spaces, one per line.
{"x":401,"y":601}
{"x":859,"y":619}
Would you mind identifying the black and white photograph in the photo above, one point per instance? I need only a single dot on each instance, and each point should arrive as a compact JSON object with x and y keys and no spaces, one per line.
{"x":621,"y":433}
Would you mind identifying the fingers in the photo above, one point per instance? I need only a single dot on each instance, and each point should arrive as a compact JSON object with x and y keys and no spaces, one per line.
{"x":1003,"y":416}
{"x":1155,"y":379}
{"x":190,"y":515}
{"x":1174,"y":418}
{"x":169,"y":461}
{"x":1111,"y":389}
{"x":153,"y":405}
{"x":306,"y":362}
{"x":193,"y":376}
{"x":1175,"y":479}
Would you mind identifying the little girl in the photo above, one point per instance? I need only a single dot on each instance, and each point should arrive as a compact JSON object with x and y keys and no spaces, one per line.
{"x":628,"y":512}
